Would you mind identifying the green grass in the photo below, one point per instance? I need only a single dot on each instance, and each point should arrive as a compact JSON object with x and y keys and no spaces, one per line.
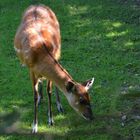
{"x":100,"y":39}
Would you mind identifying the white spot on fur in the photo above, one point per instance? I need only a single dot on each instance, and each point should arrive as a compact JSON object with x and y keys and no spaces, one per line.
{"x":89,"y":84}
{"x":17,"y":50}
{"x":36,"y":86}
{"x":38,"y":99}
{"x":40,"y":80}
{"x":77,"y":103}
{"x":27,"y":50}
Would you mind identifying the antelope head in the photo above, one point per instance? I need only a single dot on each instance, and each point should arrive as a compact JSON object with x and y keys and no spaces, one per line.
{"x":79,"y":99}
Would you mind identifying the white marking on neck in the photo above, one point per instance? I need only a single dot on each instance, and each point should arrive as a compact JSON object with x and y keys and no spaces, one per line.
{"x":69,"y":97}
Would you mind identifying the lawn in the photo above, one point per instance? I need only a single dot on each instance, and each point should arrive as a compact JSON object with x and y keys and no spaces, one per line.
{"x":100,"y":39}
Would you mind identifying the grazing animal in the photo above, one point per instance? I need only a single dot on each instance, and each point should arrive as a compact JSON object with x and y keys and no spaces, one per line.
{"x":37,"y":44}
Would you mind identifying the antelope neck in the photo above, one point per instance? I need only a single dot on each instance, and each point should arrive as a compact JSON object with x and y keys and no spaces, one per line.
{"x":56,"y":72}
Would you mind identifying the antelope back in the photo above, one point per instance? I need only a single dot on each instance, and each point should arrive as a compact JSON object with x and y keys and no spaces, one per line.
{"x":39,"y":26}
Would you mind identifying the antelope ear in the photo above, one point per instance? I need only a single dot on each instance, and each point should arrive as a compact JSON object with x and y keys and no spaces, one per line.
{"x":70,"y":86}
{"x":88,"y":84}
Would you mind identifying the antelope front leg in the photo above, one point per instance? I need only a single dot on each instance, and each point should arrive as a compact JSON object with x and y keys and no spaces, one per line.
{"x":40,"y":91}
{"x":49,"y":91}
{"x":35,"y":90}
{"x":58,"y":101}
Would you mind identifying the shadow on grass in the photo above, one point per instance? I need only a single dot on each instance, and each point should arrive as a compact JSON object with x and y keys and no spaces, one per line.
{"x":102,"y":125}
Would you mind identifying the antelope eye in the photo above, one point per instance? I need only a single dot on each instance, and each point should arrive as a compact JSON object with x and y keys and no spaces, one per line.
{"x":81,"y":100}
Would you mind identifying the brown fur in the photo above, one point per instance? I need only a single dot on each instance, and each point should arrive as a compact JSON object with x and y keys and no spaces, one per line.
{"x":39,"y":26}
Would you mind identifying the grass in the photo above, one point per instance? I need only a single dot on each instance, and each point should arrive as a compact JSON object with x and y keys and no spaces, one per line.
{"x":100,"y":39}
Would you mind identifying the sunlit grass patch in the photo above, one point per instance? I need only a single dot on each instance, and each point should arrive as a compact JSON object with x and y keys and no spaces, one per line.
{"x":117,"y":24}
{"x":73,"y":10}
{"x":114,"y":33}
{"x":129,"y":44}
{"x":55,"y":130}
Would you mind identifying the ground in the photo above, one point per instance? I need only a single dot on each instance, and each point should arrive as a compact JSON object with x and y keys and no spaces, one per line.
{"x":100,"y":39}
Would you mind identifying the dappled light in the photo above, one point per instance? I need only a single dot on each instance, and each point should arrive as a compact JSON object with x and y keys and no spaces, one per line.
{"x":129,"y":44}
{"x":74,"y":10}
{"x":116,"y":24}
{"x":115,"y":34}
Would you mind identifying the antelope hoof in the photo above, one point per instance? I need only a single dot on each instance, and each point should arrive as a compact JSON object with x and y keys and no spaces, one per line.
{"x":60,"y":108}
{"x":34,"y":128}
{"x":50,"y":122}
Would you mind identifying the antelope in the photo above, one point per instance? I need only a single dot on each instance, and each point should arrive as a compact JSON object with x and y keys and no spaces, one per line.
{"x":38,"y":46}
